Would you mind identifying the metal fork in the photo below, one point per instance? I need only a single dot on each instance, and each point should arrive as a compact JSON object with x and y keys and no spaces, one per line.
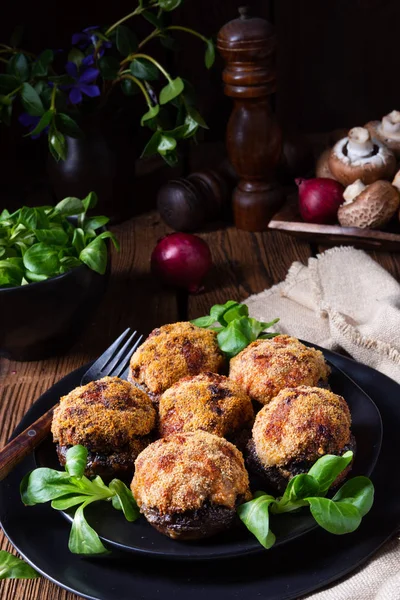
{"x":114,"y":362}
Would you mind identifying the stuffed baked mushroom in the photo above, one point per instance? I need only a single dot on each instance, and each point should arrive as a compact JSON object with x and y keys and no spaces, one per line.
{"x":189,"y":485}
{"x":110,"y":417}
{"x":295,"y":429}
{"x":209,"y":402}
{"x":266,"y":367}
{"x":171,"y":352}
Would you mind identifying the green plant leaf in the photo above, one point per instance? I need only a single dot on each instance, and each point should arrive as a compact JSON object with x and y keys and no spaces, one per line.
{"x":57,"y":144}
{"x":31,"y":101}
{"x":70,"y":206}
{"x":109,"y":67}
{"x":126,"y":40}
{"x":68,"y":126}
{"x":11,"y":274}
{"x":255,"y":515}
{"x":41,"y":66}
{"x":129,"y":87}
{"x":299,"y":487}
{"x":68,"y":501}
{"x":76,"y":56}
{"x":126,"y":500}
{"x":166,"y":144}
{"x":109,"y":235}
{"x":358,"y":491}
{"x":8,"y":83}
{"x":143,"y":69}
{"x":95,"y":223}
{"x":43,"y":484}
{"x":209,"y":56}
{"x":169,"y":5}
{"x":78,"y":240}
{"x":218,"y":310}
{"x":203,"y":321}
{"x":335,"y":517}
{"x":233,"y":338}
{"x":171,"y":90}
{"x":76,"y":458}
{"x":95,"y":256}
{"x":83,"y":539}
{"x":156,"y":21}
{"x":152,"y":144}
{"x":52,"y":237}
{"x":12,"y":567}
{"x":18,"y":66}
{"x":44,"y":122}
{"x":35,"y":277}
{"x":42,"y":259}
{"x":326,"y":469}
{"x":196,"y":116}
{"x":150,"y":114}
{"x":169,"y":42}
{"x":90,"y":201}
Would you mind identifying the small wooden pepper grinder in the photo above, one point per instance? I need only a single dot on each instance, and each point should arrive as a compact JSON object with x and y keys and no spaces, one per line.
{"x":254,"y":139}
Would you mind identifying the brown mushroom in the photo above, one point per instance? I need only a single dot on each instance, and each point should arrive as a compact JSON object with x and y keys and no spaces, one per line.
{"x":368,"y":206}
{"x":322,"y":166}
{"x":387,"y":131}
{"x":360,"y":157}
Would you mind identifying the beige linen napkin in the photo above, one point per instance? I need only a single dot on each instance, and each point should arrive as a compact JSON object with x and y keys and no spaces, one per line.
{"x":344,"y":299}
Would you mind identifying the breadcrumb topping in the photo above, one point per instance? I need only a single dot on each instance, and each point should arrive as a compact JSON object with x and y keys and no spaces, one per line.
{"x":207,"y":401}
{"x":301,"y":423}
{"x":103,"y":416}
{"x":267,"y":366}
{"x":174,"y":351}
{"x":185,"y":470}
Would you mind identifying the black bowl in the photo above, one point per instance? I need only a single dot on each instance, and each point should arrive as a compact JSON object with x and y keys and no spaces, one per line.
{"x":44,"y":319}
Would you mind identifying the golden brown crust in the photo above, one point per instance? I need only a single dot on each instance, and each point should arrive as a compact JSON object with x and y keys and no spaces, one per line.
{"x":207,"y":401}
{"x":267,"y":366}
{"x":172,"y":352}
{"x":104,"y":416}
{"x":187,"y":470}
{"x":301,"y":424}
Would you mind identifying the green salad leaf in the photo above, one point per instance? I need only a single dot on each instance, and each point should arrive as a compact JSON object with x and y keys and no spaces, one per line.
{"x":40,"y":242}
{"x":235,"y":329}
{"x":12,"y":567}
{"x":70,"y":488}
{"x":339,"y":515}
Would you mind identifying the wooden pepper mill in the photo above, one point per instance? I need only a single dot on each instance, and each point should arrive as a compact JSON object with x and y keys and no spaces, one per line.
{"x":254,"y":139}
{"x":188,"y":203}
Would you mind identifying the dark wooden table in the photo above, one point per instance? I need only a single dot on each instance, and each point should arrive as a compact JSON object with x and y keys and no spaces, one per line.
{"x":244,"y":263}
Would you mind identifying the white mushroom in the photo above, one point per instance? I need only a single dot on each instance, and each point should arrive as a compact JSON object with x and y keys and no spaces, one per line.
{"x":358,"y":156}
{"x":387,"y":131}
{"x":368,"y":206}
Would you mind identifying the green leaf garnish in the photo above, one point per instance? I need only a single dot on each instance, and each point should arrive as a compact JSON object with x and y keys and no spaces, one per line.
{"x":339,"y":515}
{"x":237,"y":330}
{"x":12,"y":567}
{"x":70,"y":488}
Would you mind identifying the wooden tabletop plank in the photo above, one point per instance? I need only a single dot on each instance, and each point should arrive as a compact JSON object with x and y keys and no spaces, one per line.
{"x":245,"y":263}
{"x":134,"y":299}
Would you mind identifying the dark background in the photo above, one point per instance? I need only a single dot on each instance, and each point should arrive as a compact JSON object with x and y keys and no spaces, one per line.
{"x":337,"y":61}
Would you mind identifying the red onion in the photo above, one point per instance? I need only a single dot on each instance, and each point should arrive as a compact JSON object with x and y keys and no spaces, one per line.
{"x":319,"y":199}
{"x":181,"y":260}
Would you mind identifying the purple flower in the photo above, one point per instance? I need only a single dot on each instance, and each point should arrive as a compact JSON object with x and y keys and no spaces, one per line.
{"x":85,"y":78}
{"x":30,"y":123}
{"x":87,"y":37}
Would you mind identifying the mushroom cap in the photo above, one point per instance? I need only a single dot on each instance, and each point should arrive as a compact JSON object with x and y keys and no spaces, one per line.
{"x":381,"y":165}
{"x":376,"y":131}
{"x":322,"y":166}
{"x":372,"y":208}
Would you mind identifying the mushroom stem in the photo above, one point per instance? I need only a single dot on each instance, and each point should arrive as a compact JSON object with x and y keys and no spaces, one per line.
{"x":359,"y":144}
{"x":391,"y":124}
{"x":353,"y":190}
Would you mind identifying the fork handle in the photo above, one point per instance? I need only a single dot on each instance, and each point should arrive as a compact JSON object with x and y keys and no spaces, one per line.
{"x":22,"y":445}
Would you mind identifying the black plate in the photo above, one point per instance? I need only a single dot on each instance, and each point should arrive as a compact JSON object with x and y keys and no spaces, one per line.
{"x":140,"y":537}
{"x":284,"y":573}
